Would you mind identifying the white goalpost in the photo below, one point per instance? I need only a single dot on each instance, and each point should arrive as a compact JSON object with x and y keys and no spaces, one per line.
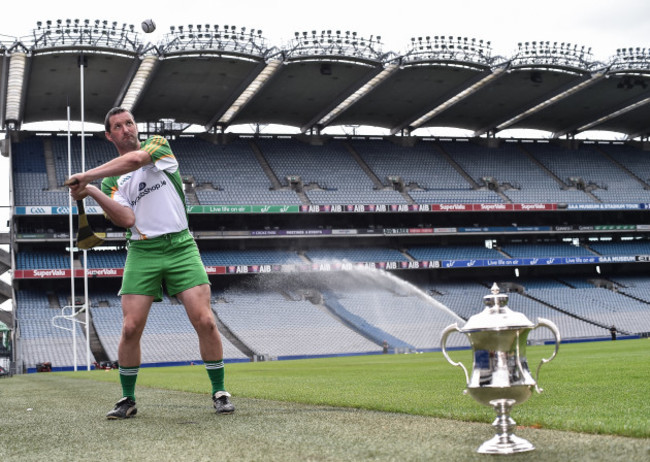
{"x":70,"y":316}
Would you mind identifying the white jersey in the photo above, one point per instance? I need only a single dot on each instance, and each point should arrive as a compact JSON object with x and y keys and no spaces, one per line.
{"x":153,"y":192}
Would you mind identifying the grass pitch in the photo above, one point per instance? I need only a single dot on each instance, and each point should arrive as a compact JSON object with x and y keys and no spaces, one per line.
{"x":388,"y":407}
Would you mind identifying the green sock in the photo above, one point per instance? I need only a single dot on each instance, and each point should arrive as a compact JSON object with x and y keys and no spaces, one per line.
{"x":216,"y":373}
{"x":128,"y":376}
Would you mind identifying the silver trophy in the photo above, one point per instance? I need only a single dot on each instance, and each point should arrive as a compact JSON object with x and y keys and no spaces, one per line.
{"x":500,"y":375}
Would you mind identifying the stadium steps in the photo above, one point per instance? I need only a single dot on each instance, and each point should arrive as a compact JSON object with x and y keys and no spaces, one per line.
{"x":53,"y":301}
{"x":505,"y":198}
{"x":457,"y":167}
{"x":5,"y":261}
{"x":5,"y":291}
{"x":404,"y":251}
{"x":266,"y":167}
{"x":355,"y":155}
{"x":621,"y":291}
{"x":230,"y":335}
{"x":303,"y":197}
{"x":49,"y":164}
{"x":568,"y":313}
{"x":359,"y":325}
{"x":563,"y":185}
{"x":7,"y":318}
{"x":375,"y":179}
{"x":559,"y":181}
{"x":624,"y":168}
{"x":96,"y":347}
{"x":594,"y":197}
{"x":190,"y":193}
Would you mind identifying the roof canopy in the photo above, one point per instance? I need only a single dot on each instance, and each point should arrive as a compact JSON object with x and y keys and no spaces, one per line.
{"x":218,"y":76}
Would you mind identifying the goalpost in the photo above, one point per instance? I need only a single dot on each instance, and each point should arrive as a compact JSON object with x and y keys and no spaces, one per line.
{"x":69,"y":313}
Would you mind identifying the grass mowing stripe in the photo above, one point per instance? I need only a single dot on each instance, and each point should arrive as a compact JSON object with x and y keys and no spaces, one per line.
{"x":597,"y":387}
{"x":56,"y":418}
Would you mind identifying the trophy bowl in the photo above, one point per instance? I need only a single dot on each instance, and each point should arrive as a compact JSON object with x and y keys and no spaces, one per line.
{"x":500,"y":376}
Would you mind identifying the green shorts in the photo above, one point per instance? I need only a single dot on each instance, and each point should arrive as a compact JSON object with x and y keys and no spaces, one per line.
{"x":171,"y":258}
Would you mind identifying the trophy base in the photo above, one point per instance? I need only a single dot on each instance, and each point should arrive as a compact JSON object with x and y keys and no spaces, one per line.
{"x":510,"y":445}
{"x":504,"y":442}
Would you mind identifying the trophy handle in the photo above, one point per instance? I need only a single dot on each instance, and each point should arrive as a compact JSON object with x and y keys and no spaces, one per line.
{"x":542,"y":322}
{"x":443,"y":344}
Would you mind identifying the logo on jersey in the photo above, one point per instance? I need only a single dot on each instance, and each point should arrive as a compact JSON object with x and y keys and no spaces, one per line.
{"x":144,"y":191}
{"x":121,"y":181}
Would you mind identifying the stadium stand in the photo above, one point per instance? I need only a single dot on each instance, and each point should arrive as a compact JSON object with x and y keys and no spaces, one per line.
{"x":599,"y":306}
{"x":330,"y":166}
{"x":228,"y":174}
{"x":452,"y":196}
{"x":465,"y":299}
{"x":42,"y":342}
{"x":275,"y":327}
{"x":410,"y":319}
{"x":590,"y":170}
{"x":250,"y":257}
{"x":286,"y":323}
{"x":621,"y":248}
{"x":452,"y":214}
{"x":452,"y":252}
{"x":506,"y":164}
{"x":544,"y":249}
{"x":168,"y":336}
{"x":319,"y":197}
{"x":422,"y":165}
{"x":43,"y":259}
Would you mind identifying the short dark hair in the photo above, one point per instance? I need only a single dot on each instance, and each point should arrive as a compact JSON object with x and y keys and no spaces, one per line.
{"x":111,"y":113}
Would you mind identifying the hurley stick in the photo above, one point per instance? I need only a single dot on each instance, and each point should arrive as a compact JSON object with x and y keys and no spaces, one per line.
{"x":86,"y":237}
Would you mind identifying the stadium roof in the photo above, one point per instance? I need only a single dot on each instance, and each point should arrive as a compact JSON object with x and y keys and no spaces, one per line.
{"x":216,"y":77}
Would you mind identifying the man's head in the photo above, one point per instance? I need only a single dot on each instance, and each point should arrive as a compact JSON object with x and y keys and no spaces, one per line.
{"x":122,"y":130}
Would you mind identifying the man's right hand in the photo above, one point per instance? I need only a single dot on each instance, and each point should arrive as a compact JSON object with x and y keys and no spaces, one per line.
{"x":77,"y":186}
